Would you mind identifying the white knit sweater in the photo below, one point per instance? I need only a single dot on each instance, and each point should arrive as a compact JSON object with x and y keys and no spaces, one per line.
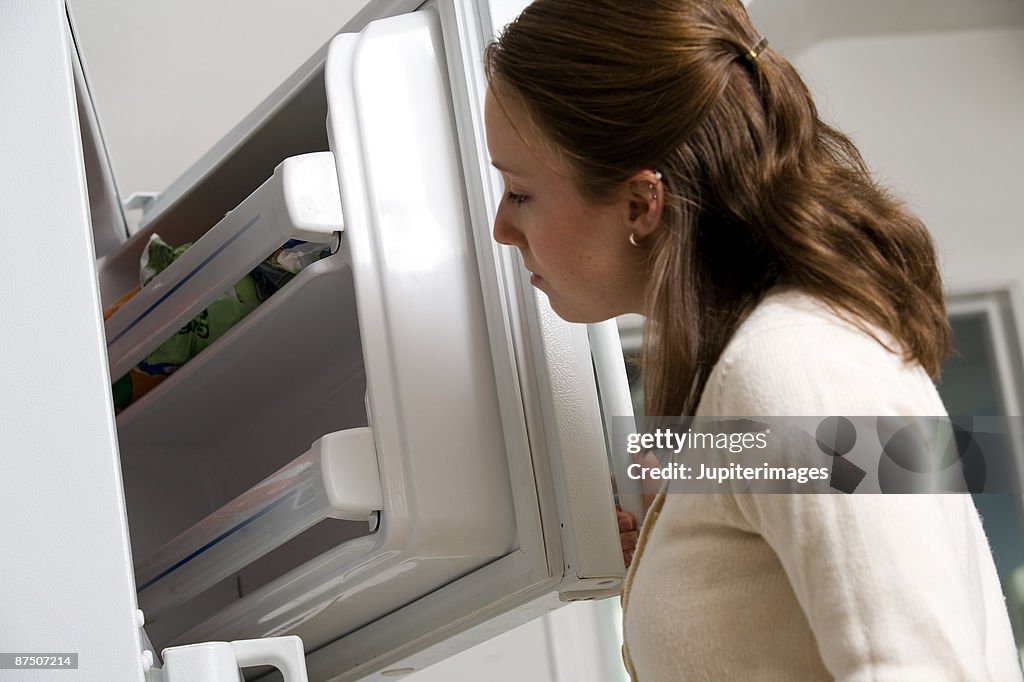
{"x":814,"y":587}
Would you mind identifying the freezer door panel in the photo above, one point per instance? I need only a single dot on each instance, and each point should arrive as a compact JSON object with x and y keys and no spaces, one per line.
{"x":389,"y":160}
{"x":431,"y":393}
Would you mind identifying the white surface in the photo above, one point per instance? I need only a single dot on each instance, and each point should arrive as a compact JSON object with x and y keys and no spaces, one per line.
{"x":206,"y":662}
{"x":309,"y":192}
{"x":109,"y":228}
{"x":350,"y":474}
{"x":220,"y":661}
{"x":170,"y":79}
{"x":415,"y":272}
{"x":523,"y":653}
{"x":937,"y":116}
{"x":578,"y":642}
{"x":284,"y":653}
{"x":791,"y":25}
{"x":65,"y":577}
{"x":617,"y":408}
{"x":568,"y":397}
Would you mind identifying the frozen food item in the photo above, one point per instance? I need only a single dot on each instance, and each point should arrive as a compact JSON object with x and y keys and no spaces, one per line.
{"x":205,"y":328}
{"x":116,"y":305}
{"x":133,"y":386}
{"x":157,"y":256}
{"x":217,"y":318}
{"x":282,"y":265}
{"x":129,"y":386}
{"x":295,"y":255}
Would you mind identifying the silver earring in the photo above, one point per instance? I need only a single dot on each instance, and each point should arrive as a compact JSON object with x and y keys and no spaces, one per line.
{"x":633,"y":239}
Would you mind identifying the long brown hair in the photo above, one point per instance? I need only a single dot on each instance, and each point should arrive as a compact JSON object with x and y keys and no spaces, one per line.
{"x":759,"y":190}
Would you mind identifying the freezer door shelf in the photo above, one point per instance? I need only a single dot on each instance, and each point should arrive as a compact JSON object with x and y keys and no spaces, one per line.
{"x":336,"y":478}
{"x":220,"y":661}
{"x":300,"y":201}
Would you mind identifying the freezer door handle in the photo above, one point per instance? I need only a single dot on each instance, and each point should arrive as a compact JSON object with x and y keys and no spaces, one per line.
{"x":220,"y":661}
{"x":284,"y":653}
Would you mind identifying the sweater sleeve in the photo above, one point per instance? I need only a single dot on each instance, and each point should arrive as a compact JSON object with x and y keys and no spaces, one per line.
{"x":894,"y":587}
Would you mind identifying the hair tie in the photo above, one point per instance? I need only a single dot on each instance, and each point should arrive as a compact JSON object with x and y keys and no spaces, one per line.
{"x":754,"y":52}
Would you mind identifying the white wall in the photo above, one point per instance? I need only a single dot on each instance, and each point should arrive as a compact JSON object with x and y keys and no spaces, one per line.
{"x":171,"y":78}
{"x":579,"y":641}
{"x":938,"y":118}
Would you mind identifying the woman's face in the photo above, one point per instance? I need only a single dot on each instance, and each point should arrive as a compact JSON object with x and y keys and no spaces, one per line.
{"x":578,"y":250}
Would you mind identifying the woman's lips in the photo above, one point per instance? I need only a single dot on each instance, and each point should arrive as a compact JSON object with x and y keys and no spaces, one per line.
{"x":535,"y":279}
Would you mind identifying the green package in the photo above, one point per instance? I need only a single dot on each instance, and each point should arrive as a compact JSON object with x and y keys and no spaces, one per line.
{"x":223,"y":313}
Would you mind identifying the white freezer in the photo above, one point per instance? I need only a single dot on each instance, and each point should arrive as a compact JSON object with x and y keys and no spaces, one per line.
{"x":399,"y":454}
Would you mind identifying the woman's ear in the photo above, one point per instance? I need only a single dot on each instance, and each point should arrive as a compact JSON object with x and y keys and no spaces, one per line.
{"x":645,"y":195}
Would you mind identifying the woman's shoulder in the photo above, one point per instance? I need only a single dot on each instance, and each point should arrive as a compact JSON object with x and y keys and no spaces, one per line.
{"x":795,"y":355}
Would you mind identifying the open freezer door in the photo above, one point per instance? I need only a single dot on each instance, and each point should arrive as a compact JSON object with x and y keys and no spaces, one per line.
{"x":484,"y":404}
{"x":398,"y":454}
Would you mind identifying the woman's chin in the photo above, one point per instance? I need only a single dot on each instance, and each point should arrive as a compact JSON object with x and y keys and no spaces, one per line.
{"x":571,"y":314}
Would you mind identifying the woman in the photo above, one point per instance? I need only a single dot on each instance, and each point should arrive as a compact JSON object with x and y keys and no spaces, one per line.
{"x":659,"y":159}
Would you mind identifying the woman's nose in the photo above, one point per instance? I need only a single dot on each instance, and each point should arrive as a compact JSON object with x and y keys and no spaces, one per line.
{"x":505,"y":232}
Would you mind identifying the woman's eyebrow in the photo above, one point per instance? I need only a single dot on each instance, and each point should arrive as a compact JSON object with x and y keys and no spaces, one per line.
{"x":507,"y":169}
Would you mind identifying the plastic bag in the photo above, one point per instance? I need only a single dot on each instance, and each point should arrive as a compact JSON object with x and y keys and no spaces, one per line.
{"x":216,"y":319}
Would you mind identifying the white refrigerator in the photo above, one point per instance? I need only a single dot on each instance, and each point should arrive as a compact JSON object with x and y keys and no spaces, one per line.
{"x":401,"y":453}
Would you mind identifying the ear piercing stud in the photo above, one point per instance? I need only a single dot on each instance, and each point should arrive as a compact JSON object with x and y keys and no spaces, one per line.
{"x":633,"y":237}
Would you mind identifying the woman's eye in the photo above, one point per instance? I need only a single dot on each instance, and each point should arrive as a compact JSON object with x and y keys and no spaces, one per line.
{"x":516,"y":199}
